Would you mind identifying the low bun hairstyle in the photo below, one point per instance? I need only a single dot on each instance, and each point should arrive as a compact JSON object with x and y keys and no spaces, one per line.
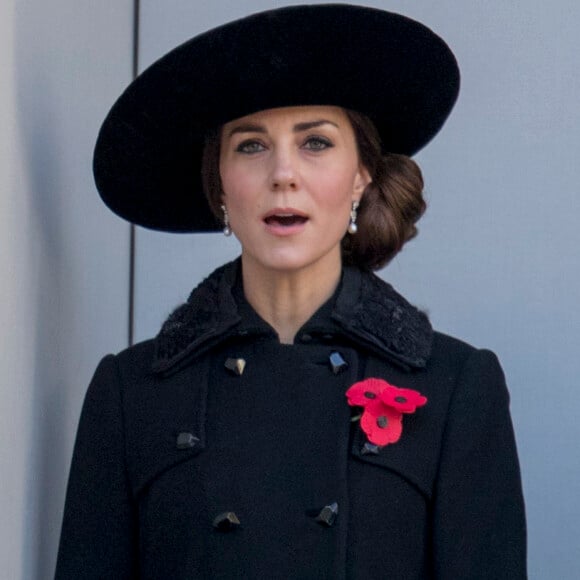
{"x":390,"y":206}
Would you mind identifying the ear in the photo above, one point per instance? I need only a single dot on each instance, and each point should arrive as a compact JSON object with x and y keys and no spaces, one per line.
{"x":362,"y":179}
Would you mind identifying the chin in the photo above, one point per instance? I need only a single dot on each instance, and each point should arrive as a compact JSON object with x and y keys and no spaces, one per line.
{"x":291,"y":260}
{"x":284,"y":264}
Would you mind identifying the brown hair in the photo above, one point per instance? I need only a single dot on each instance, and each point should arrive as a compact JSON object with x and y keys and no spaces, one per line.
{"x":390,"y":206}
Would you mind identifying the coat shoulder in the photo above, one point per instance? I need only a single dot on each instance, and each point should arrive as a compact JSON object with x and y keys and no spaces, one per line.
{"x":451,"y":352}
{"x":134,"y":362}
{"x":462,"y":368}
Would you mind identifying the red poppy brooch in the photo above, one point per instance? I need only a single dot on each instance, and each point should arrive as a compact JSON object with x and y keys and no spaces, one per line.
{"x":383,"y":407}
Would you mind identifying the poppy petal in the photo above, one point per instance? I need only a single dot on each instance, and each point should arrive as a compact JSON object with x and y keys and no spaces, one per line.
{"x":364,"y":392}
{"x":403,"y":400}
{"x":382,"y":424}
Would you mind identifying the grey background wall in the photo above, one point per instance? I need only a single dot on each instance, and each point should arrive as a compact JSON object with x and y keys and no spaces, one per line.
{"x":63,"y":258}
{"x":495,"y":262}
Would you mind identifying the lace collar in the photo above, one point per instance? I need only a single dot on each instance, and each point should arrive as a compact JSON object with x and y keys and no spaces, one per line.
{"x":366,"y":311}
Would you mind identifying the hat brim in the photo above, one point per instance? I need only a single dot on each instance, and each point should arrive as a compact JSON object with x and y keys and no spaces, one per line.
{"x":147,"y":160}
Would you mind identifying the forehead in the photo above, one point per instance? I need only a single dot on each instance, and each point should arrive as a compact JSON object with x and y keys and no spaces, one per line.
{"x":293,"y":115}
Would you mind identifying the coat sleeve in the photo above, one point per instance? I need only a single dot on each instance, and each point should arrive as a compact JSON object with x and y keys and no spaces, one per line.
{"x":98,"y":537}
{"x":479,"y":529}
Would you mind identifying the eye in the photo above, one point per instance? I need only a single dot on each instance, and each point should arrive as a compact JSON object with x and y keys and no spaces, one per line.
{"x":250,"y":146}
{"x":317,"y":143}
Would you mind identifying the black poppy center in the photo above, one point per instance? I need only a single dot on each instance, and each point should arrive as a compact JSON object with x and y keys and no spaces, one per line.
{"x":400,"y":399}
{"x":382,"y":421}
{"x":370,"y":395}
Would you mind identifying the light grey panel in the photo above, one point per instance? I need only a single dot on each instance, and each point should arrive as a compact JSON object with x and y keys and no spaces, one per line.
{"x":496,"y":260}
{"x":168,"y":267}
{"x":65,"y":287}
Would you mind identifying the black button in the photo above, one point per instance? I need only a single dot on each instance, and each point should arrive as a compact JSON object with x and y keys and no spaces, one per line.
{"x":327,"y":515}
{"x":370,"y":449}
{"x":226,"y":522}
{"x":337,"y":363}
{"x":306,"y":337}
{"x":235,"y":365}
{"x":186,"y":441}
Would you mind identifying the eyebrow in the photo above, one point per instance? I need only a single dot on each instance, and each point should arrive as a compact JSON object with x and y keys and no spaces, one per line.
{"x":298,"y":128}
{"x":312,"y":124}
{"x":248,"y":128}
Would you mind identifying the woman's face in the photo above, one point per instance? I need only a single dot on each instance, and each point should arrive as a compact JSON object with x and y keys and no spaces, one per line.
{"x":289,"y":178}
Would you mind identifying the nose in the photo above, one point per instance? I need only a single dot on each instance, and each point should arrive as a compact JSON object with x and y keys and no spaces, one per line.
{"x":284,"y":172}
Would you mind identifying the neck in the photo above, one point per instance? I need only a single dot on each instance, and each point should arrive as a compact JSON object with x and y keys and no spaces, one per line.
{"x":287,"y":299}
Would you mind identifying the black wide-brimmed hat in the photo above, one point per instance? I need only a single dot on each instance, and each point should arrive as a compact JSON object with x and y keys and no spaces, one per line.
{"x":393,"y":69}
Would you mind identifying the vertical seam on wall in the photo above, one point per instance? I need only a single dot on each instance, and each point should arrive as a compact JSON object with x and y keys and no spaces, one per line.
{"x":135,"y":72}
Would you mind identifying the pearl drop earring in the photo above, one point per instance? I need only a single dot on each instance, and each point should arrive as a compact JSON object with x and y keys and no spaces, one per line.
{"x":227,"y":230}
{"x":352,"y":227}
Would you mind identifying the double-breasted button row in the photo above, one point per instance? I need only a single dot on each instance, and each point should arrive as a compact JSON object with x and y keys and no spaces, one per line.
{"x":326,"y":516}
{"x":229,"y":521}
{"x":236,"y":365}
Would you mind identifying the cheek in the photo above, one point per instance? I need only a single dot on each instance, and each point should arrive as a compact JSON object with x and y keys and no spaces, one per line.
{"x":336,"y":188}
{"x":240,"y":196}
{"x":227,"y":177}
{"x":236,"y":183}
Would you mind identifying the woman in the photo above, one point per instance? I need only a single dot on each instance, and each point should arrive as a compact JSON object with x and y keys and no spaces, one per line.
{"x":296,"y":418}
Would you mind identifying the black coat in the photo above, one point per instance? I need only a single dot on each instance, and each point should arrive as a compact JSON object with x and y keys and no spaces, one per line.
{"x":174,"y":449}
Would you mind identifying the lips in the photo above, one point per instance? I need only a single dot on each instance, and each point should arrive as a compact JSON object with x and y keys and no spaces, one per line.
{"x":285,"y":218}
{"x":285,"y":221}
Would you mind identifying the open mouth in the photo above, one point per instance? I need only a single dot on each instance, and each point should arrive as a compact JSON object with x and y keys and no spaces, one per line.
{"x":285,"y":220}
